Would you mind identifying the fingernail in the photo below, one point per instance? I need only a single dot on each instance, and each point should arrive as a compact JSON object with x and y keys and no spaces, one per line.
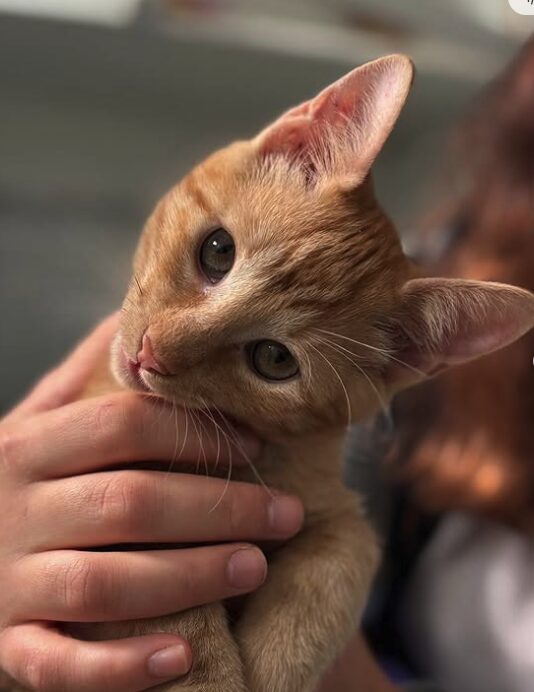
{"x":170,"y":662}
{"x":250,"y":442}
{"x":285,"y":515}
{"x":247,"y":568}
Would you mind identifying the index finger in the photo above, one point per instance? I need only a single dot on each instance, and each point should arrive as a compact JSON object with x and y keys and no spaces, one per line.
{"x":124,"y":427}
{"x":63,"y":384}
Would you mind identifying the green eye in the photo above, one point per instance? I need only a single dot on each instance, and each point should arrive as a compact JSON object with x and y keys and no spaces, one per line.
{"x":272,"y":360}
{"x":217,"y":255}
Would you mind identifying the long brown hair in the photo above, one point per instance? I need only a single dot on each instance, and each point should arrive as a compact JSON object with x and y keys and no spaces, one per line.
{"x":465,"y":440}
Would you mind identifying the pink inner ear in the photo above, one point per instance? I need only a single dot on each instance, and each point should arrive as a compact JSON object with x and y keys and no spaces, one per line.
{"x":337,"y":104}
{"x":465,"y":347}
{"x":452,"y":321}
{"x":347,"y":123}
{"x":290,"y":138}
{"x":296,"y":129}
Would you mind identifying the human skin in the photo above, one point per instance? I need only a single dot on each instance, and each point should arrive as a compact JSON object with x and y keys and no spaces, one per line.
{"x":59,"y":497}
{"x":50,"y":511}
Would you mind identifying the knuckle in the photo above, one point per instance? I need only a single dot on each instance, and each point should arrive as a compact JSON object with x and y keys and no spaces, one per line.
{"x":114,"y":414}
{"x":38,"y":674}
{"x":11,"y":449}
{"x":231,"y":514}
{"x":192,"y":586}
{"x":109,"y":413}
{"x":246,"y":509}
{"x":121,"y":501}
{"x":80,"y":586}
{"x":38,"y":671}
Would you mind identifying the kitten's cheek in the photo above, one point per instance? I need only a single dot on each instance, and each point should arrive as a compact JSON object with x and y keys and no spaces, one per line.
{"x":118,"y":364}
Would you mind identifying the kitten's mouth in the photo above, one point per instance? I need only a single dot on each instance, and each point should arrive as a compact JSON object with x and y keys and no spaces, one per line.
{"x":136,"y":377}
{"x":128,"y":370}
{"x":134,"y":369}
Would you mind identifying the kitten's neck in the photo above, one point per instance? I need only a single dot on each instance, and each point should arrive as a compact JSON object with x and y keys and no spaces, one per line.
{"x":308,"y":465}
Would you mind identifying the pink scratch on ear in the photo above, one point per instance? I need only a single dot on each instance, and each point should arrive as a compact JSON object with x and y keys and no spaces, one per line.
{"x":342,"y":129}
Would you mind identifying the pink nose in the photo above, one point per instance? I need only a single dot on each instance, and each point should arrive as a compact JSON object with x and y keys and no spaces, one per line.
{"x":146,"y":358}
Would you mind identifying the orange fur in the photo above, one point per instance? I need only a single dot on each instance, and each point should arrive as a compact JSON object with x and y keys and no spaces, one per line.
{"x":319,"y":268}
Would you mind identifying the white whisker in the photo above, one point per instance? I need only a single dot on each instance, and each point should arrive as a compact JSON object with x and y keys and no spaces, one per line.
{"x":349,"y":408}
{"x":383,"y":351}
{"x":174,"y":457}
{"x":205,"y":410}
{"x":200,"y":445}
{"x":237,"y":444}
{"x":203,"y":430}
{"x":344,"y":351}
{"x":230,"y":460}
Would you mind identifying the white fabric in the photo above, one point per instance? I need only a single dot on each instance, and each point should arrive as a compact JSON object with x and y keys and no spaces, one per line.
{"x":469,"y":608}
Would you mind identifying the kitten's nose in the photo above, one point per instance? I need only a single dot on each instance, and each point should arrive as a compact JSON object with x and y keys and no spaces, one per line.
{"x":146,"y":358}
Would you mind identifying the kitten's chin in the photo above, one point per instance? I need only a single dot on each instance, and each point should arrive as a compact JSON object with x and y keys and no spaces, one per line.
{"x":130,"y":375}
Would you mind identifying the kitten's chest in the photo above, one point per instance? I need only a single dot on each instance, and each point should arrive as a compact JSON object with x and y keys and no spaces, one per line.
{"x":308,"y":468}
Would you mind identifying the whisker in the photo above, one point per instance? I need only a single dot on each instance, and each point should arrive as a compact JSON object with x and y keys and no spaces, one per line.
{"x":178,"y":454}
{"x":174,"y":458}
{"x":228,"y":441}
{"x":344,"y":351}
{"x":230,"y":460}
{"x":205,"y":410}
{"x":349,"y":408}
{"x":383,"y":351}
{"x":308,"y":362}
{"x":355,"y":341}
{"x":237,"y":444}
{"x":138,"y":285}
{"x":200,"y":445}
{"x":227,"y":481}
{"x":203,"y":430}
{"x":184,"y":441}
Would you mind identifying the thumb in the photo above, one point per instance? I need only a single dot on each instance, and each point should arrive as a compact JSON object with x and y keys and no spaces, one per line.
{"x":63,"y":384}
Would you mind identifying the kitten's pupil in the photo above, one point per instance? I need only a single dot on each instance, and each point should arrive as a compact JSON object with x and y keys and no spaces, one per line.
{"x":217,"y":255}
{"x":272,"y":360}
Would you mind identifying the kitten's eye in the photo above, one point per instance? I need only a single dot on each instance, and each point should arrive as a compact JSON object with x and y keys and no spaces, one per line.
{"x":217,"y":255}
{"x":272,"y":360}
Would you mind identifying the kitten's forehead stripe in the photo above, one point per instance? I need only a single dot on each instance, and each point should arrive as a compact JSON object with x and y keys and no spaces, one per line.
{"x":193,"y":188}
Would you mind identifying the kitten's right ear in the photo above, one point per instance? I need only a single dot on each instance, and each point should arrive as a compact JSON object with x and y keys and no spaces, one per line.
{"x":338,"y":134}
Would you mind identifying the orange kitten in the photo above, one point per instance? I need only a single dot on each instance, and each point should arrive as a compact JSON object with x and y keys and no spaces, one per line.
{"x":270,"y":287}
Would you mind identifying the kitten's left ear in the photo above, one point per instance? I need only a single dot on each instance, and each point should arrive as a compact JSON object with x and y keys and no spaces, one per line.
{"x":445,"y":322}
{"x":339,"y":133}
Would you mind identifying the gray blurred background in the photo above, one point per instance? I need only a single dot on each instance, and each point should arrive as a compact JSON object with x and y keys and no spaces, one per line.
{"x":104,"y":104}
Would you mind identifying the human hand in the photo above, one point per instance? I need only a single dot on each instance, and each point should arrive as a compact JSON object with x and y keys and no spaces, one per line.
{"x":59,"y":498}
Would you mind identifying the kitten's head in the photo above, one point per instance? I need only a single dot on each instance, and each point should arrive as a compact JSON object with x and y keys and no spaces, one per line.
{"x":269,"y":285}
